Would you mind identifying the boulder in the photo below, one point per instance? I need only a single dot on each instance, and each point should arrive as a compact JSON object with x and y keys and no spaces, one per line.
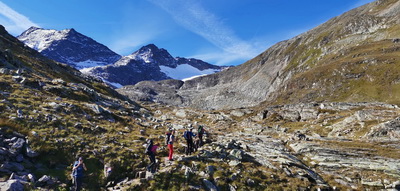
{"x":237,"y":113}
{"x":11,"y":185}
{"x":11,"y":166}
{"x":31,"y":153}
{"x":234,"y":163}
{"x":209,"y":185}
{"x":236,"y":154}
{"x":5,"y":71}
{"x":207,"y":154}
{"x":389,"y":130}
{"x":232,"y":188}
{"x":46,"y":181}
{"x":141,"y":174}
{"x":19,"y":158}
{"x":16,"y":146}
{"x":232,"y":144}
{"x":3,"y":151}
{"x":250,"y":182}
{"x":210,"y":170}
{"x":23,"y":178}
{"x":59,"y":81}
{"x":95,"y":108}
{"x":181,"y":113}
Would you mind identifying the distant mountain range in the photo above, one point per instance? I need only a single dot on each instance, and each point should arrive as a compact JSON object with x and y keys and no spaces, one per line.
{"x":92,"y":58}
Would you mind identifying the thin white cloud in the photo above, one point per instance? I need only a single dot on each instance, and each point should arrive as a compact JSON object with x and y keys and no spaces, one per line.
{"x":14,"y":22}
{"x":128,"y":42}
{"x":221,"y":58}
{"x":192,"y":16}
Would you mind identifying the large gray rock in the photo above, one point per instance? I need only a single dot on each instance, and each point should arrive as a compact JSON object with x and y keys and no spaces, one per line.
{"x":181,"y":113}
{"x":16,"y":146}
{"x":237,"y":113}
{"x":46,"y":180}
{"x":11,"y":185}
{"x":95,"y":108}
{"x":236,"y":154}
{"x":388,"y":130}
{"x":12,"y":166}
{"x":31,"y":153}
{"x":209,"y":185}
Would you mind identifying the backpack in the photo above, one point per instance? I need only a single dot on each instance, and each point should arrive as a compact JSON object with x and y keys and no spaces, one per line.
{"x":154,"y":149}
{"x":148,"y":148}
{"x":167,"y":138}
{"x":79,"y":171}
{"x":200,"y":130}
{"x":186,"y":134}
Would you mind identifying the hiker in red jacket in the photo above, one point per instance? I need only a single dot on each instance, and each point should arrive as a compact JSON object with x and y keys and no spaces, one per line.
{"x":170,"y":139}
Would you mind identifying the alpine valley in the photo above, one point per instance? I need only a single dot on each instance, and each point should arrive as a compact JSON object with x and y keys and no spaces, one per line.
{"x":315,"y":112}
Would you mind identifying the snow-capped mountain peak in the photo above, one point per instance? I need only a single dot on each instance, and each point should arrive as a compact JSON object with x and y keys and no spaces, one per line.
{"x":151,"y":63}
{"x":68,"y":46}
{"x":92,"y":58}
{"x":152,"y":54}
{"x":41,"y":39}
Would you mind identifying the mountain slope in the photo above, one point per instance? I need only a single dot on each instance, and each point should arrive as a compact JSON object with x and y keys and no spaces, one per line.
{"x":57,"y":113}
{"x":68,"y":46}
{"x":151,"y":63}
{"x":352,"y":57}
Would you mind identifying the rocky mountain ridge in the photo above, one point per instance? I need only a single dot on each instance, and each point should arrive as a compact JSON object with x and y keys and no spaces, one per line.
{"x":351,"y":57}
{"x":92,"y":58}
{"x":68,"y":46}
{"x":151,"y":63}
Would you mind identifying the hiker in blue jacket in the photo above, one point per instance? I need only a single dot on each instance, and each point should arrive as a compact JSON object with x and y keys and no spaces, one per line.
{"x":188,"y":135}
{"x":77,"y":172}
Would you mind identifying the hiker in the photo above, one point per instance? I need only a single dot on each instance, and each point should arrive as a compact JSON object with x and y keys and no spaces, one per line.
{"x":107,"y":170}
{"x":188,"y":135}
{"x":196,"y":143}
{"x":77,"y":172}
{"x":200,"y":132}
{"x":170,"y":139}
{"x":151,"y":151}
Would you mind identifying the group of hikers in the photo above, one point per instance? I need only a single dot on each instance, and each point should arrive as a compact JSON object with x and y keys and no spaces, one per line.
{"x":193,"y":142}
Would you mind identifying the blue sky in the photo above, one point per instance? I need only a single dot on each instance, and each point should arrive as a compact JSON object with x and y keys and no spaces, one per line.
{"x":221,"y":32}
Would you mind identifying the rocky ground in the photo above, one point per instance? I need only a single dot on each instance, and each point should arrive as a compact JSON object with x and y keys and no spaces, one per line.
{"x":330,"y":146}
